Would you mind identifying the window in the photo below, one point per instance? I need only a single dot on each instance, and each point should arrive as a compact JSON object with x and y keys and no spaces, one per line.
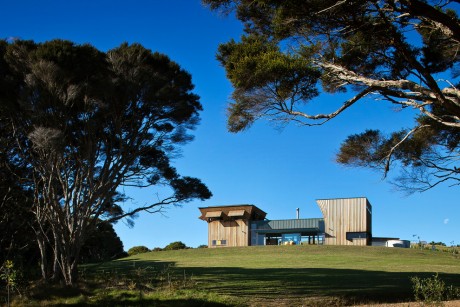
{"x":218,"y":242}
{"x":291,"y":238}
{"x":356,"y":235}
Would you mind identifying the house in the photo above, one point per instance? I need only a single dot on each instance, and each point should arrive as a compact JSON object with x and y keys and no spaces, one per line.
{"x":345,"y":221}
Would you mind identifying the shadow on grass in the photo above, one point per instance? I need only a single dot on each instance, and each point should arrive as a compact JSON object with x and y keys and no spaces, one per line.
{"x":270,"y":283}
{"x":125,"y":265}
{"x":134,"y":301}
{"x":350,"y":285}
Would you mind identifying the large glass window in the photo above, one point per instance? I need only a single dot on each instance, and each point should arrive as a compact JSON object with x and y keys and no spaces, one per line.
{"x":291,"y":238}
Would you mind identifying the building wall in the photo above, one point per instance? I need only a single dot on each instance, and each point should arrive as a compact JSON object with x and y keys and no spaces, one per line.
{"x":235,"y":233}
{"x":348,"y":221}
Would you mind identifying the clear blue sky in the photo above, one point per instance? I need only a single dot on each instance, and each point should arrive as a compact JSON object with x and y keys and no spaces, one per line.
{"x":277,"y":170}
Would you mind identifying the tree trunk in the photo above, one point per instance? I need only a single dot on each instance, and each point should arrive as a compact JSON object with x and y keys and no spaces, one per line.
{"x":57,"y":274}
{"x":43,"y":256}
{"x":66,"y":260}
{"x":69,"y":269}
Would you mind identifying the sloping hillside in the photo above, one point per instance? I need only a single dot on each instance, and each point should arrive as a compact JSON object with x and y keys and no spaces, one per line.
{"x":299,"y":273}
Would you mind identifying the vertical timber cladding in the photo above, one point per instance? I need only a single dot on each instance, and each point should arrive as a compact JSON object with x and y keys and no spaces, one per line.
{"x":228,"y":233}
{"x":348,"y":221}
{"x":229,"y":225}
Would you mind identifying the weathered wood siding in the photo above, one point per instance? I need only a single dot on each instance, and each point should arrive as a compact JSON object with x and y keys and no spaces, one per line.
{"x":235,"y":233}
{"x":347,"y":215}
{"x":229,"y":225}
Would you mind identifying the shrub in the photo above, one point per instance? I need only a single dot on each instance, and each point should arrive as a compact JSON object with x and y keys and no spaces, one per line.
{"x":9,"y":276}
{"x":202,"y":246}
{"x":157,"y":249}
{"x":175,"y":245}
{"x":433,"y":291}
{"x":137,"y":250}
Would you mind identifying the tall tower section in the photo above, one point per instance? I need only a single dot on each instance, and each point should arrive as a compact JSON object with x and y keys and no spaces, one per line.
{"x":347,"y":221}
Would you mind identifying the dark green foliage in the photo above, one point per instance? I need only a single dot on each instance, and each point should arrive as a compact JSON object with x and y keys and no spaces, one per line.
{"x":391,"y":50}
{"x":437,"y":243}
{"x":78,"y":123}
{"x":103,"y":244}
{"x":175,"y":246}
{"x":256,"y":67}
{"x":138,"y":250}
{"x":17,"y":241}
{"x":426,"y":154}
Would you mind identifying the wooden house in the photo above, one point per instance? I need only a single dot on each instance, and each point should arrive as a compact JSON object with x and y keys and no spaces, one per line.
{"x":345,"y":221}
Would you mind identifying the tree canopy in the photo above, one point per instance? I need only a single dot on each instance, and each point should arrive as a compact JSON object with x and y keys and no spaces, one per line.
{"x":102,"y":244}
{"x":175,"y":246}
{"x":78,"y":123}
{"x":401,"y":52}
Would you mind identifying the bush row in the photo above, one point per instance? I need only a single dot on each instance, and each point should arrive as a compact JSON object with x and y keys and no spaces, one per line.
{"x":171,"y":246}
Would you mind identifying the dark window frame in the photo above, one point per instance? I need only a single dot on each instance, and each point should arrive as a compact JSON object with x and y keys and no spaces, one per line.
{"x":356,"y":235}
{"x":218,"y":242}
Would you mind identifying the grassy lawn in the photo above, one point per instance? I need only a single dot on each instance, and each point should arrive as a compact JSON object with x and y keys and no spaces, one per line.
{"x":290,"y":275}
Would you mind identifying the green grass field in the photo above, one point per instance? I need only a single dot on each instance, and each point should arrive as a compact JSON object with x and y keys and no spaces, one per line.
{"x":276,"y":275}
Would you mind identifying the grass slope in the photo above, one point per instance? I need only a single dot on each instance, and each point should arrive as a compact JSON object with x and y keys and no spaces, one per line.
{"x":295,"y":273}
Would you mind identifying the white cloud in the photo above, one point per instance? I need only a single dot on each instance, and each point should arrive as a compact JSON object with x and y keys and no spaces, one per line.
{"x":446,"y":221}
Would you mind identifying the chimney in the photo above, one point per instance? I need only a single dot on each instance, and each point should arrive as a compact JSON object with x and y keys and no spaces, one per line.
{"x":298,"y":213}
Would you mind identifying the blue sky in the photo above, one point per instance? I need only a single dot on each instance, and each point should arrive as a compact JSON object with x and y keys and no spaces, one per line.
{"x":277,"y":170}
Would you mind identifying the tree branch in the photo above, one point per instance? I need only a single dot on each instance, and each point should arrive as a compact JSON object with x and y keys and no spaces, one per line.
{"x":390,"y":153}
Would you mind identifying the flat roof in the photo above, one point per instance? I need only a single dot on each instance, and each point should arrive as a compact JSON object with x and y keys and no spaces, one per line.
{"x":225,"y":206}
{"x":383,"y":238}
{"x":292,"y":225}
{"x":341,"y":198}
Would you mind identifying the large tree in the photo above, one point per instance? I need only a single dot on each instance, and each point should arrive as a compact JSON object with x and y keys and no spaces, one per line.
{"x":81,"y":124}
{"x":402,"y":52}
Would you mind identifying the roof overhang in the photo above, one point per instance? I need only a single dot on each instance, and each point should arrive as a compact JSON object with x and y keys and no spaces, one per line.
{"x":249,"y":212}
